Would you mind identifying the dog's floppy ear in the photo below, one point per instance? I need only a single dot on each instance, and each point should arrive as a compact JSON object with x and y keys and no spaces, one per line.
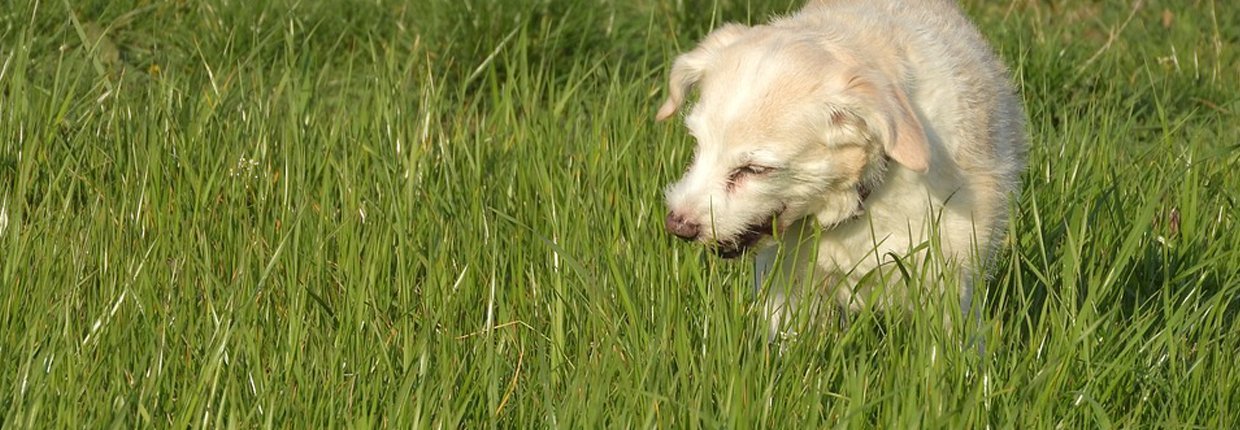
{"x":690,"y":66}
{"x":892,"y":119}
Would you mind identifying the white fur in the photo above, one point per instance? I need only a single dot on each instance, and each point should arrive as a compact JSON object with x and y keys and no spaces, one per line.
{"x":903,"y":98}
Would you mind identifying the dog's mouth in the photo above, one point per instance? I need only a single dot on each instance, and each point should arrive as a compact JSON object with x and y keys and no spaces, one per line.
{"x":752,"y":234}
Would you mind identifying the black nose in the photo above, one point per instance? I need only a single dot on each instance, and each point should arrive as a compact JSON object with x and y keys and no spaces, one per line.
{"x":681,"y":227}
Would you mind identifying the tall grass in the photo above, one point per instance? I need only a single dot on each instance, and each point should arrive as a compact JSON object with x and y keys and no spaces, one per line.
{"x":448,"y":214}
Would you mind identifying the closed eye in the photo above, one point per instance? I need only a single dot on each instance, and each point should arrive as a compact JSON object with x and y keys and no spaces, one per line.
{"x":744,"y":171}
{"x":752,"y":169}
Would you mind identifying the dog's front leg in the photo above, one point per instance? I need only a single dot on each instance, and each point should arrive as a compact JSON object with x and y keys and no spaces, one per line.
{"x":971,"y":311}
{"x":775,"y":300}
{"x":784,"y":277}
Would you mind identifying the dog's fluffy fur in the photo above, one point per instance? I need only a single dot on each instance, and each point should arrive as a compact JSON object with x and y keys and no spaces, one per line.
{"x":857,"y":133}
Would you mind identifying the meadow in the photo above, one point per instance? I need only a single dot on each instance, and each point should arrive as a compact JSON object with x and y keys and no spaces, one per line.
{"x":448,"y":213}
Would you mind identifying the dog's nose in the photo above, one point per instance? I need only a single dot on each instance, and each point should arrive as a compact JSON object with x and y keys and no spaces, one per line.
{"x":681,"y":227}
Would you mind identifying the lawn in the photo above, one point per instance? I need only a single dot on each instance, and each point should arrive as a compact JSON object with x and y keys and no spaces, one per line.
{"x":448,"y":213}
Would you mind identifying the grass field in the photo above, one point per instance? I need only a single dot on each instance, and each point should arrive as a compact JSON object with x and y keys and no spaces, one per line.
{"x":445,"y":213}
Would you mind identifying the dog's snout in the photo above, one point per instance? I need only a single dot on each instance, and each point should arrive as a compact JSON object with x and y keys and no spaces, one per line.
{"x":682,"y":228}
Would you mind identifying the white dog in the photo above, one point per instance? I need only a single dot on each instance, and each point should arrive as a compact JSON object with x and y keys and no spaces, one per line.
{"x":859,"y":134}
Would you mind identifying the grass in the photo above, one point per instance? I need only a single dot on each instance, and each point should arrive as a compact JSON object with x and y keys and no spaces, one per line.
{"x":448,"y":214}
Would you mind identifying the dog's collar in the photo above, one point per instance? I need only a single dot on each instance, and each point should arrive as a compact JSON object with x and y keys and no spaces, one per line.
{"x":864,"y":189}
{"x":863,"y":192}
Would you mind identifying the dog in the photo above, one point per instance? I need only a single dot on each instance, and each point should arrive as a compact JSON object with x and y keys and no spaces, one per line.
{"x":852,"y":144}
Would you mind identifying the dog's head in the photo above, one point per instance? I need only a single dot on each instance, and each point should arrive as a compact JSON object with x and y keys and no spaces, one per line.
{"x":786,"y":128}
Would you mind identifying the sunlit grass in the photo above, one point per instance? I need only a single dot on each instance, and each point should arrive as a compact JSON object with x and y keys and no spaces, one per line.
{"x":442,"y":213}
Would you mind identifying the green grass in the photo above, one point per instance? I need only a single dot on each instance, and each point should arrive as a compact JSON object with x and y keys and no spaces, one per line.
{"x":444,"y":213}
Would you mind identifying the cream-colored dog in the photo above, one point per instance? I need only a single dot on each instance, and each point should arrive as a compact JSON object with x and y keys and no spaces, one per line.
{"x":864,"y":136}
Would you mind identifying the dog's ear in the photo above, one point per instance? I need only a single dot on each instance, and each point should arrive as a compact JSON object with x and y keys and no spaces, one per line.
{"x":689,"y":67}
{"x":892,"y":119}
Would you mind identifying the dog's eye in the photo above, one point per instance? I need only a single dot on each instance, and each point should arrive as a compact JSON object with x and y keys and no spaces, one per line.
{"x":751,"y":169}
{"x":746,"y":170}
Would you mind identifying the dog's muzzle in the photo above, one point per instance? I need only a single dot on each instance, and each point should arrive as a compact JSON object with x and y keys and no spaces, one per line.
{"x":681,"y":227}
